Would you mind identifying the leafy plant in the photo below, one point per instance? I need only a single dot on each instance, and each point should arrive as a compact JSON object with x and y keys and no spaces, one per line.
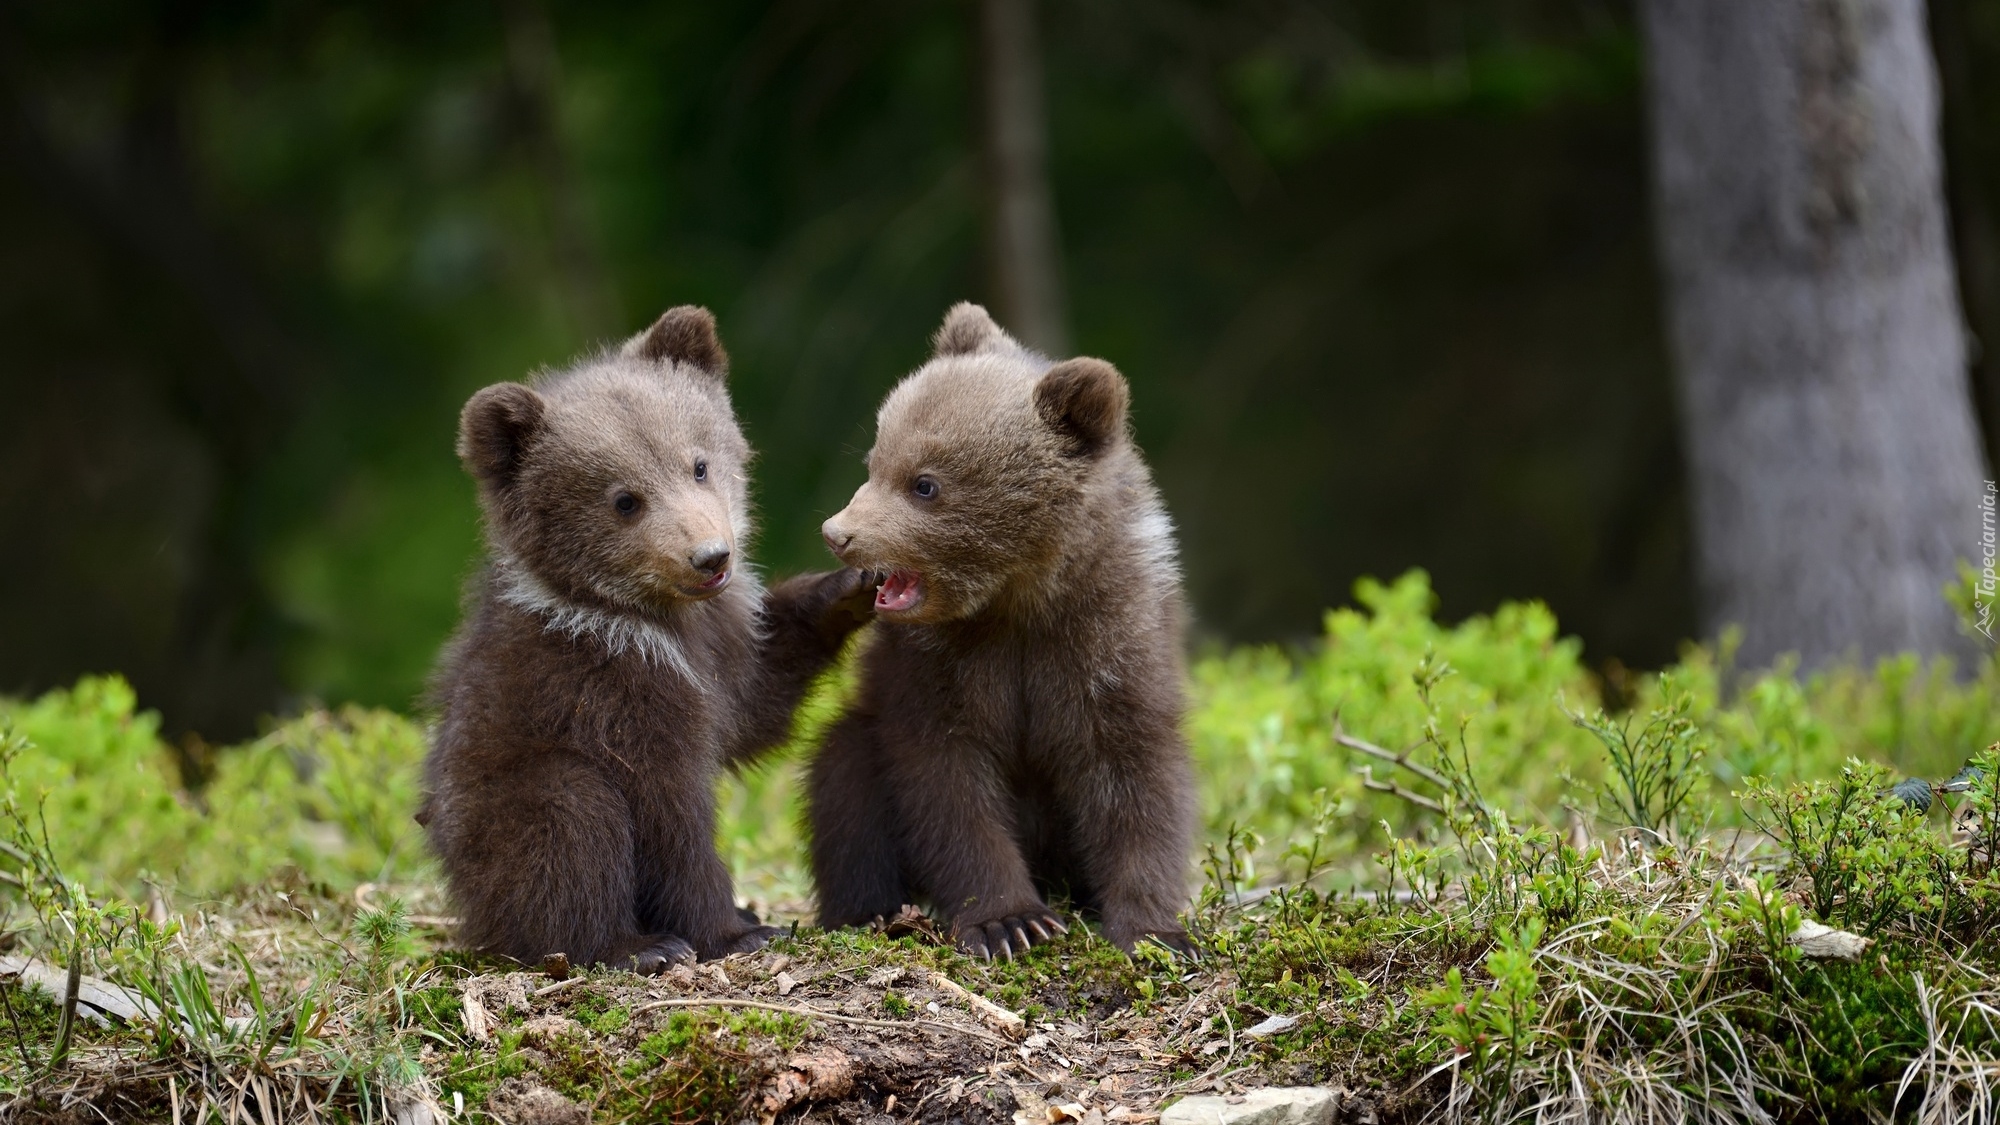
{"x":1655,"y":771}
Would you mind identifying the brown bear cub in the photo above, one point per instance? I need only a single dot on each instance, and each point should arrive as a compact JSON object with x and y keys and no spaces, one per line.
{"x":618,"y":654}
{"x":1017,"y":727}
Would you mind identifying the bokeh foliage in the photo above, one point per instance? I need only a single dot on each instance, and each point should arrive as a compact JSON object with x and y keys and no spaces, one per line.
{"x":1379,"y":273}
{"x":328,"y":796}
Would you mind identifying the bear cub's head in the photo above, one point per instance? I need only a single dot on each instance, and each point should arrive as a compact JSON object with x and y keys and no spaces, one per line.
{"x":618,"y":483}
{"x":977,"y":482}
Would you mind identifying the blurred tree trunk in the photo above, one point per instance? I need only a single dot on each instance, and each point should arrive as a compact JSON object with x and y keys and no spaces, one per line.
{"x":1020,"y":208}
{"x":1835,"y":465}
{"x":1968,"y":151}
{"x":534,"y":74}
{"x":218,"y":670}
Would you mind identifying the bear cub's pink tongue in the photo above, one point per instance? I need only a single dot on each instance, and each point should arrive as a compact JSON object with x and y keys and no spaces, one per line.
{"x":901,"y":590}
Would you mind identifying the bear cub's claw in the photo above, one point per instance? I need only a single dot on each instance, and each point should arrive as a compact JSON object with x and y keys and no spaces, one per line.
{"x":666,"y":952}
{"x":1005,"y":937}
{"x":853,"y":603}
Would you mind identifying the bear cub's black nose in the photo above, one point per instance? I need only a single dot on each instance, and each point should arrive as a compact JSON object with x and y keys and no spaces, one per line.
{"x":711,"y":557}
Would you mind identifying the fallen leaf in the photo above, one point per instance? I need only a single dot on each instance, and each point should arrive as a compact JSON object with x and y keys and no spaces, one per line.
{"x":473,"y":1014}
{"x":1272,"y":1026}
{"x":1824,"y":943}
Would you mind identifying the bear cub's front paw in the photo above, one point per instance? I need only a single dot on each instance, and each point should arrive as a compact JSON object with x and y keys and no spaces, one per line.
{"x":1011,"y":935}
{"x":666,"y":951}
{"x":851,"y":601}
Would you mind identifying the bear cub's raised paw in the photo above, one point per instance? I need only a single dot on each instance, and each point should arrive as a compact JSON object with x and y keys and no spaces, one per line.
{"x":620,"y":653}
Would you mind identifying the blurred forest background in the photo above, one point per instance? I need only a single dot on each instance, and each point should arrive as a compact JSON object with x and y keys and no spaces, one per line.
{"x":1381,"y":272}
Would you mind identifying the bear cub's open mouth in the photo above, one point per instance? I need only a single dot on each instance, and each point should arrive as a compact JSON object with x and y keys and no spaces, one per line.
{"x":709,"y":588}
{"x":899,"y":592}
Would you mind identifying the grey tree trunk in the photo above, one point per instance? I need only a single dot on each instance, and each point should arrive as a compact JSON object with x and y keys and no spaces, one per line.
{"x":1021,"y":211}
{"x":1835,"y":465}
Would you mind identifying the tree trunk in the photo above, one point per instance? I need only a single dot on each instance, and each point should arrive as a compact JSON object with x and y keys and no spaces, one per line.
{"x":1968,"y":150}
{"x":1835,"y":466}
{"x":1021,"y":210}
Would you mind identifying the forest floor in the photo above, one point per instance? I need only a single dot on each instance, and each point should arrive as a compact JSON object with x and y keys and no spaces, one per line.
{"x":312,"y":1013}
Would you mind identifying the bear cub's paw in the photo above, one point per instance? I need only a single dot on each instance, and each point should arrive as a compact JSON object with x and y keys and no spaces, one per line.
{"x":1005,"y":937}
{"x":750,"y":941}
{"x":666,"y":951}
{"x":850,"y":599}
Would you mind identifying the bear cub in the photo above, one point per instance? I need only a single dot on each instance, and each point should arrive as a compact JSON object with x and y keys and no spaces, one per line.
{"x":1017,"y":725}
{"x":618,"y":652}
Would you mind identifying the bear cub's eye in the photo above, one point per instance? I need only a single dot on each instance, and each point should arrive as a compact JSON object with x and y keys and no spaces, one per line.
{"x":626,"y":503}
{"x":701,"y":470}
{"x":925,"y":488}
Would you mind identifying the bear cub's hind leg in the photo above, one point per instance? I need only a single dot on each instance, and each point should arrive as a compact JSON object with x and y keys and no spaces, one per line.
{"x":523,"y":894}
{"x":855,"y":860}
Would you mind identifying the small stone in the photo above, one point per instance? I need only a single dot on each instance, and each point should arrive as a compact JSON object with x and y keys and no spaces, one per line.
{"x":883,"y":978}
{"x":1272,"y":1105}
{"x":785,"y":983}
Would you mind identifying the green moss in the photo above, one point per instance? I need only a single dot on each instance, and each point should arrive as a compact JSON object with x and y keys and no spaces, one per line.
{"x":474,"y":1072}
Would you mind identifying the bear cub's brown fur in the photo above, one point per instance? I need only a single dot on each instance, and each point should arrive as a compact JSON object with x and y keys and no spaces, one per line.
{"x":618,"y":654}
{"x":1017,"y":728}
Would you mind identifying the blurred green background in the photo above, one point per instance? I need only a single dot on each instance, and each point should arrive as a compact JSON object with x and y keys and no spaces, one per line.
{"x":1380,"y":272}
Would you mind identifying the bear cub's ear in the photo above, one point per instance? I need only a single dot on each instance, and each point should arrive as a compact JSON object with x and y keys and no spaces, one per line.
{"x":1084,"y":400}
{"x":684,"y":335}
{"x":496,"y":430}
{"x":967,"y":328}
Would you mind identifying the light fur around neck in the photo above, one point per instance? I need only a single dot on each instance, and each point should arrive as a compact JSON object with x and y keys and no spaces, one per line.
{"x":653,"y":642}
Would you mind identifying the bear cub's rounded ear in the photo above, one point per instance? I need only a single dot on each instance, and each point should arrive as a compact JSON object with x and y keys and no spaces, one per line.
{"x":496,"y":430}
{"x":1085,"y":401}
{"x":684,"y":335}
{"x":967,"y":328}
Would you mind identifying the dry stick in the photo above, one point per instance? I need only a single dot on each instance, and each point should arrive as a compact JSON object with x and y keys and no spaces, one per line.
{"x":981,"y":1006}
{"x":1418,"y":799}
{"x":70,"y":991}
{"x":1402,"y":759}
{"x":893,"y":1025}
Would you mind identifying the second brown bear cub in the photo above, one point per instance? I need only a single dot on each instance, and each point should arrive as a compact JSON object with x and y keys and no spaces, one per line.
{"x":619,"y":653}
{"x":1017,"y":728}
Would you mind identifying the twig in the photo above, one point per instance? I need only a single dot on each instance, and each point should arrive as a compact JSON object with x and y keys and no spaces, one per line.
{"x":817,"y":1013}
{"x":558,"y":986}
{"x":1368,"y":782}
{"x":1009,"y":1021}
{"x":1403,"y":759}
{"x":68,"y":1023}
